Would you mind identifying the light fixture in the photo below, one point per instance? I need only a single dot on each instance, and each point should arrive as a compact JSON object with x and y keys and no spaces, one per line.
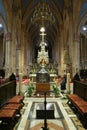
{"x":43,"y":14}
{"x":0,"y":25}
{"x":42,"y":29}
{"x":84,"y":28}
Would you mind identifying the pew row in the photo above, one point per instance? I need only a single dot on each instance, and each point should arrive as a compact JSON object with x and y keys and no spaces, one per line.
{"x":10,"y":111}
{"x":16,"y":99}
{"x":11,"y":106}
{"x":8,"y":116}
{"x":79,"y":106}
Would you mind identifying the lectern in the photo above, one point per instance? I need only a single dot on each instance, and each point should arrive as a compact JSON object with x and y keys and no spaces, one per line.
{"x":45,"y":127}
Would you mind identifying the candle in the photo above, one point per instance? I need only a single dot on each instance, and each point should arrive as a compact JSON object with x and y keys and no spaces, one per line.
{"x":68,"y":82}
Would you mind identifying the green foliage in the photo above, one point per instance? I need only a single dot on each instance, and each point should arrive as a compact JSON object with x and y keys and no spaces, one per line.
{"x":56,"y":90}
{"x":63,"y":98}
{"x":30,"y":89}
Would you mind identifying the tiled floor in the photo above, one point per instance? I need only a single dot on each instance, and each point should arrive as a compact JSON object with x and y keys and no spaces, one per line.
{"x":29,"y":121}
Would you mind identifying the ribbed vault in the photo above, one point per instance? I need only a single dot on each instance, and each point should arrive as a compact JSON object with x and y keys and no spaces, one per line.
{"x":33,"y":29}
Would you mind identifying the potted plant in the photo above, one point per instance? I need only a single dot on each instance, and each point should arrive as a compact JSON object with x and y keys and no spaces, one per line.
{"x":30,"y":90}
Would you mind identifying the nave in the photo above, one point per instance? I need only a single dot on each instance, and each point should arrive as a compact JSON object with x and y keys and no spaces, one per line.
{"x":59,"y":114}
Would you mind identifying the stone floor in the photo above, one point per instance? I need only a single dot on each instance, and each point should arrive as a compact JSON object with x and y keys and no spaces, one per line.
{"x":62,"y":121}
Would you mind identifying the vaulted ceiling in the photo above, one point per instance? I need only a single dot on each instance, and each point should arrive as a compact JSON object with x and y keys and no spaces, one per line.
{"x":56,"y":7}
{"x":28,"y":9}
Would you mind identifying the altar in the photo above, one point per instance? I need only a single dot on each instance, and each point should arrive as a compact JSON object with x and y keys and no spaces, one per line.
{"x":33,"y":77}
{"x":43,"y":64}
{"x":43,"y":72}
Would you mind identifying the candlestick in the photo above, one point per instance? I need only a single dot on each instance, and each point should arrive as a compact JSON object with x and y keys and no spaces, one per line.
{"x":20,"y":83}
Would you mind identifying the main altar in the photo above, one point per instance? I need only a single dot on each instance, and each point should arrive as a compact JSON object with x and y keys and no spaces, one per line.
{"x":43,"y":66}
{"x":53,"y":76}
{"x":43,"y":73}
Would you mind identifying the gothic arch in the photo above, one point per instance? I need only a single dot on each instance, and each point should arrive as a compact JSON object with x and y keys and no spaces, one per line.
{"x":3,"y":23}
{"x":82,"y":22}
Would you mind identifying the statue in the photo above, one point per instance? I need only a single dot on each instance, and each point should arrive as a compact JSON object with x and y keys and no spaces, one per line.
{"x":43,"y":62}
{"x":43,"y":57}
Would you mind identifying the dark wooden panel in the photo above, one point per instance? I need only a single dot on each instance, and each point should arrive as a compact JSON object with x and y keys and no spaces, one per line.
{"x":7,"y":90}
{"x":80,"y":88}
{"x":42,"y":87}
{"x":40,"y":111}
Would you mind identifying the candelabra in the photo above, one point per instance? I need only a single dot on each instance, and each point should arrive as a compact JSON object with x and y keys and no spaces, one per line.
{"x":43,"y":13}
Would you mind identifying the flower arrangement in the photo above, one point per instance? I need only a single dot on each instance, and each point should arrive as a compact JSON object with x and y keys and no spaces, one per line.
{"x":56,"y":90}
{"x":30,"y":89}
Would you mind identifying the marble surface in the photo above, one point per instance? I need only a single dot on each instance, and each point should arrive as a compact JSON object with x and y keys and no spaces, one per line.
{"x":28,"y":121}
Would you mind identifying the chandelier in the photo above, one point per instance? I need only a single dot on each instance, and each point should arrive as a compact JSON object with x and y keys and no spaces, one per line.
{"x":43,"y":14}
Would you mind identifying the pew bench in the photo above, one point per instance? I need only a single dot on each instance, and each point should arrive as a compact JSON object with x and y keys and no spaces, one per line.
{"x":16,"y":99}
{"x":80,"y":107}
{"x":8,"y":116}
{"x":13,"y":107}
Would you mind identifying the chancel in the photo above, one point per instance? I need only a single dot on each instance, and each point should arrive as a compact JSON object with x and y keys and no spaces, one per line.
{"x":43,"y":43}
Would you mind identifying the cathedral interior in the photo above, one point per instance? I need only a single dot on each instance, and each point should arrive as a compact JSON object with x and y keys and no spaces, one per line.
{"x":64,"y":37}
{"x":41,"y":41}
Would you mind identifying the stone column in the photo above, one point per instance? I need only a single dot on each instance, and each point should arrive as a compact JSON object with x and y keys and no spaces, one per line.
{"x":68,"y":83}
{"x":60,"y":50}
{"x":76,"y":54}
{"x":25,"y":50}
{"x":8,"y":54}
{"x":13,"y":53}
{"x":18,"y":58}
{"x":28,"y":53}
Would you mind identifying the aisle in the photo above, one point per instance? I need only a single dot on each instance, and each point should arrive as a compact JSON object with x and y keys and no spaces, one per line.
{"x":64,"y":118}
{"x":61,"y":121}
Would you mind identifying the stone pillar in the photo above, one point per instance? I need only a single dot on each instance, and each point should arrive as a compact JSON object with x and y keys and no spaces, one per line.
{"x":13,"y":52}
{"x":8,"y":68}
{"x":18,"y":58}
{"x":61,"y":50}
{"x":68,"y":83}
{"x":28,"y":53}
{"x":25,"y":54}
{"x":76,"y":55}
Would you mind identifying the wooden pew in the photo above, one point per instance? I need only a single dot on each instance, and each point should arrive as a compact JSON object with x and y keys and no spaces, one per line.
{"x":80,"y":107}
{"x":16,"y":99}
{"x":7,"y":91}
{"x":8,"y":116}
